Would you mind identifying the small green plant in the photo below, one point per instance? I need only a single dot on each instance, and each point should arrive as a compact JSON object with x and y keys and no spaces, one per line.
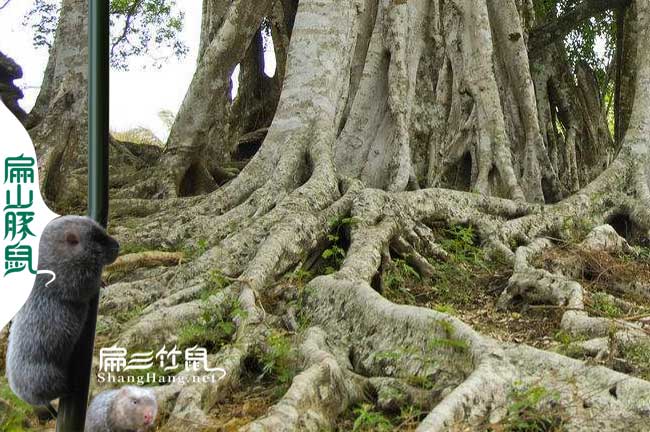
{"x":212,"y":329}
{"x":389,"y":355}
{"x":127,"y":315}
{"x":424,"y":382}
{"x":130,"y":248}
{"x":301,"y":276}
{"x":446,"y":308}
{"x":395,"y":280}
{"x":563,"y":337}
{"x":191,"y":251}
{"x":448,"y":341}
{"x":638,"y":354}
{"x":201,"y":246}
{"x":14,"y":413}
{"x":529,"y":411}
{"x":575,"y":229}
{"x":334,"y":255}
{"x":641,"y":252}
{"x":605,"y":306}
{"x":276,"y":360}
{"x":102,"y":327}
{"x":302,"y":317}
{"x":460,"y":241}
{"x":466,"y":271}
{"x":369,"y":420}
{"x":410,"y":416}
{"x":215,"y":281}
{"x":568,"y":346}
{"x":427,"y":362}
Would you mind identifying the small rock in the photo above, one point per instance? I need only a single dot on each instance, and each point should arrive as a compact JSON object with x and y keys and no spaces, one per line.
{"x":605,"y":238}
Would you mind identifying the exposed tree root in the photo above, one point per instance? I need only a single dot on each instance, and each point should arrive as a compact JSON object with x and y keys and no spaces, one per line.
{"x":145,"y":259}
{"x":473,"y":374}
{"x":317,"y":396}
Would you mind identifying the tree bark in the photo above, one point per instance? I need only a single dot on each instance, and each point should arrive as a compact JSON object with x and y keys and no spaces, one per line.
{"x":58,"y":121}
{"x":227,"y":31}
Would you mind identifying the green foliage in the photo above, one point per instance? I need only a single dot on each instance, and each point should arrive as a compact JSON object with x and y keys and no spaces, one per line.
{"x":192,"y":250}
{"x":563,"y":337}
{"x":568,"y":346}
{"x":422,"y":381}
{"x":446,"y":308}
{"x":138,"y":27}
{"x":389,"y":355}
{"x":638,"y":353}
{"x":127,"y":315}
{"x":448,"y":341}
{"x":582,"y":41}
{"x":395,"y":278}
{"x":591,"y":43}
{"x":102,"y":327}
{"x":443,"y":348}
{"x":129,"y":248}
{"x":215,"y":282}
{"x":605,"y":306}
{"x":300,"y":276}
{"x":545,"y":7}
{"x":460,"y":241}
{"x":411,"y":416}
{"x":575,"y":229}
{"x":189,"y":250}
{"x":642,"y":253}
{"x":456,"y":279}
{"x":43,"y":17}
{"x":527,"y":413}
{"x":334,"y":255}
{"x":276,"y":359}
{"x":303,"y":291}
{"x":213,"y":328}
{"x":369,"y":420}
{"x":14,"y":413}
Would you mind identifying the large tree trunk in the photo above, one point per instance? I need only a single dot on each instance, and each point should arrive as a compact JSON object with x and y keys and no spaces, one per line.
{"x":386,"y":106}
{"x":58,"y":121}
{"x":207,"y":129}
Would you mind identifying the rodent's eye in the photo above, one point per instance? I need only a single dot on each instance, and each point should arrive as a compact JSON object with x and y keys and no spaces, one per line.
{"x":72,"y":238}
{"x":135,"y":401}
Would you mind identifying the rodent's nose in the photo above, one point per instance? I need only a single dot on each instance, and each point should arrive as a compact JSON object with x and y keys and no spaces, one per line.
{"x":148,"y":418}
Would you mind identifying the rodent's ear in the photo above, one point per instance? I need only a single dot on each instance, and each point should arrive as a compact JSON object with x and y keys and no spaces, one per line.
{"x":72,"y":237}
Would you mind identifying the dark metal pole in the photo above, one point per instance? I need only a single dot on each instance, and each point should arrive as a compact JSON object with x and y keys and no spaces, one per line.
{"x":72,"y":409}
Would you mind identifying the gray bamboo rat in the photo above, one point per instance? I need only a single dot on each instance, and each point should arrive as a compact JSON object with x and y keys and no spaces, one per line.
{"x":130,"y":408}
{"x":46,"y":329}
